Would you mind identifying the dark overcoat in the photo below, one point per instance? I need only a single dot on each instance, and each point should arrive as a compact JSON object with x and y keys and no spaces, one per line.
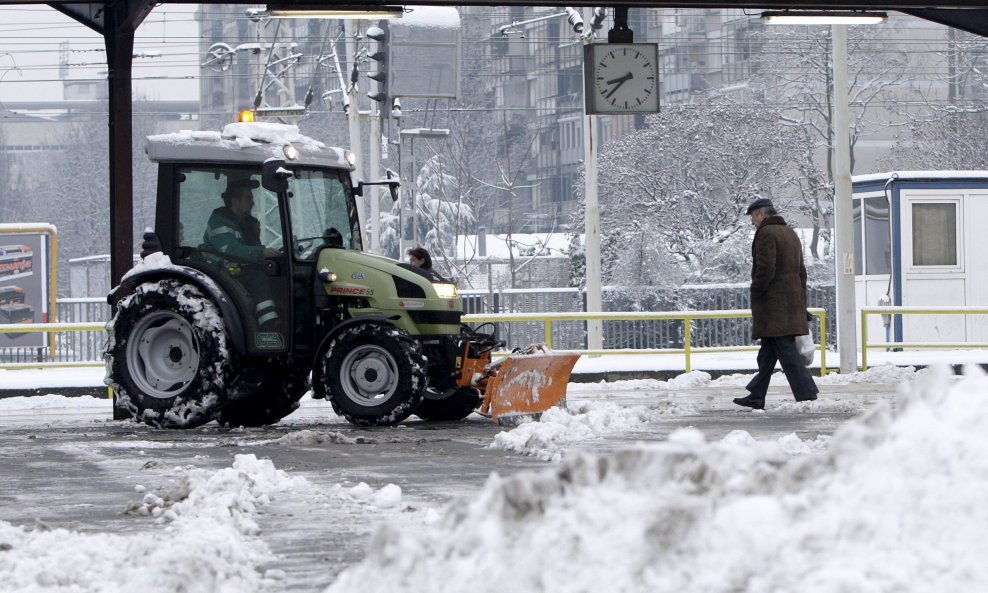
{"x":778,"y":281}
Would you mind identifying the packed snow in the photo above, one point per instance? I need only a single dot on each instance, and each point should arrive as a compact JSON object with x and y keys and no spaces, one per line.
{"x":893,"y":502}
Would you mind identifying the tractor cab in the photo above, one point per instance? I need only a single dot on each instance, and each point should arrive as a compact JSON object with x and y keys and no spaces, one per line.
{"x":258,"y":240}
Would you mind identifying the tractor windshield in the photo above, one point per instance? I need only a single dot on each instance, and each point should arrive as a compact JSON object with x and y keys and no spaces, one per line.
{"x":322,"y":201}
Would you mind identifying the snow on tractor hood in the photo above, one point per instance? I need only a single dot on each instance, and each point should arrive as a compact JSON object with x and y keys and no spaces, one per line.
{"x":253,"y":142}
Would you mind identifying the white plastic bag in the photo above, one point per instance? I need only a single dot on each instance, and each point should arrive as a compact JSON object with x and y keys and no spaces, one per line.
{"x":806,"y":347}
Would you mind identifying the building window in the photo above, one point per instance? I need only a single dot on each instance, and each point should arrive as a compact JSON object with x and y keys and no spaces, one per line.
{"x":934,"y":234}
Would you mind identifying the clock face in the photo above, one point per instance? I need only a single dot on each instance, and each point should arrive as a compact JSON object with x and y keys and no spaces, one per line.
{"x":622,"y":77}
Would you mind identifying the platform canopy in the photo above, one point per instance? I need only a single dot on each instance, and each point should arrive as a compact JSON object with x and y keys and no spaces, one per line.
{"x":117,"y":20}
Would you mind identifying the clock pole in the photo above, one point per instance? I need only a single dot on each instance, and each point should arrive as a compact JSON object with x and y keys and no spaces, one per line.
{"x":591,"y":221}
{"x":620,"y":33}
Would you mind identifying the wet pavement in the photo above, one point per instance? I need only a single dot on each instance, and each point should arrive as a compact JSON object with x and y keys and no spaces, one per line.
{"x":78,"y":470}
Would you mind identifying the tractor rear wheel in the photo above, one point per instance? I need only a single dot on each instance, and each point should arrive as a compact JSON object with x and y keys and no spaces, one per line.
{"x":456,"y":406}
{"x":276,"y":397}
{"x":167,"y":359}
{"x":374,"y":374}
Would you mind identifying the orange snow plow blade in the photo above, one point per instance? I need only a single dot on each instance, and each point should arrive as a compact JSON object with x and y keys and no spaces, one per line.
{"x":527,"y":384}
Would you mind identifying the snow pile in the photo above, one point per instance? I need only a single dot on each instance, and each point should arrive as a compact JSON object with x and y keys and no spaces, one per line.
{"x":690,"y":380}
{"x":896,"y":503}
{"x":54,"y":402}
{"x":560,"y":427}
{"x":886,"y":373}
{"x":252,"y":133}
{"x":789,"y":405}
{"x":388,"y":497}
{"x":233,"y":493}
{"x":207,"y":545}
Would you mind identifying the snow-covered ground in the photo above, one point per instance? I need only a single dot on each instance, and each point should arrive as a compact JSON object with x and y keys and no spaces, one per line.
{"x":892,"y":501}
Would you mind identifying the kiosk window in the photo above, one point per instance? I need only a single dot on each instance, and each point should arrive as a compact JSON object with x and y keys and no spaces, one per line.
{"x":857,"y":239}
{"x":935,"y":234}
{"x":878,"y":243}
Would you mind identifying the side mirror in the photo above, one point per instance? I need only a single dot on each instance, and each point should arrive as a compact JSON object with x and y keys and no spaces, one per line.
{"x":274,"y":176}
{"x":392,"y":183}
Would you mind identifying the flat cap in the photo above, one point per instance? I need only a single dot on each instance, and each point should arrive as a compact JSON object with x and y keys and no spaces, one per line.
{"x":759,"y":203}
{"x":242,"y":182}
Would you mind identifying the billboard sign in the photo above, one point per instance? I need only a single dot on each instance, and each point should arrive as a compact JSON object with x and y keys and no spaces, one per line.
{"x":23,"y":287}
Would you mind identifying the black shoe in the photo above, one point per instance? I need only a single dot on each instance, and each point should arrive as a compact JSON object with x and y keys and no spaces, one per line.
{"x":809,"y":398}
{"x":750,"y":402}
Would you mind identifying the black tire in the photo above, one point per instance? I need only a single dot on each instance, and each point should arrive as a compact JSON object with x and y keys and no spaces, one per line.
{"x":276,"y":397}
{"x":168,"y":358}
{"x":455,"y":406}
{"x":373,"y":374}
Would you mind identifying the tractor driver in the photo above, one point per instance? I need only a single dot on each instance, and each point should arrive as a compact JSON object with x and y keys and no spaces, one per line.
{"x":234,"y":231}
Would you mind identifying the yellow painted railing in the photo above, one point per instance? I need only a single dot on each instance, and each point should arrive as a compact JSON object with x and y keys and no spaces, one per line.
{"x":687,"y":317}
{"x":53,"y":329}
{"x":902,"y":310}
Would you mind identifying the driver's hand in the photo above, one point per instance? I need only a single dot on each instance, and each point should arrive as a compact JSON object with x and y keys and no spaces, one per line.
{"x":270,"y":252}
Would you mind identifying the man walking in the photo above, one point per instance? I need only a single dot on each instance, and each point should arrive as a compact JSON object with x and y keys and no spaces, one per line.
{"x":778,"y":305}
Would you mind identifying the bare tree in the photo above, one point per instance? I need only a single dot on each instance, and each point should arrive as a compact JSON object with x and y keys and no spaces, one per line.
{"x":794,"y":68}
{"x":678,"y":189}
{"x":950,"y":131}
{"x":515,"y":144}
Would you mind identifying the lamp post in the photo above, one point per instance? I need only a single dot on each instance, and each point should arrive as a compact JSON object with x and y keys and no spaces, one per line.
{"x":847,"y":327}
{"x":847,"y":337}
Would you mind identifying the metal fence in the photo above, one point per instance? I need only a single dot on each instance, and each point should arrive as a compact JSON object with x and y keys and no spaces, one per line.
{"x":637,"y":333}
{"x":77,"y":346}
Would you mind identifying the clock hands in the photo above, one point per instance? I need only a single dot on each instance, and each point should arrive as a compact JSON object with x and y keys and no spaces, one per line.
{"x":618,"y":82}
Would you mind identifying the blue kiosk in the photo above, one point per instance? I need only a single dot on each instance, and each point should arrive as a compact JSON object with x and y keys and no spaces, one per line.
{"x":921,"y":239}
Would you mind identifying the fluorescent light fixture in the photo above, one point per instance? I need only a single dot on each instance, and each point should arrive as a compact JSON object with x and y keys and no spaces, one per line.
{"x":329,"y":11}
{"x":821,"y":17}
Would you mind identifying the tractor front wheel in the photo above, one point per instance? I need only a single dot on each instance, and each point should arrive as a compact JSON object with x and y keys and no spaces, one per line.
{"x":168,"y":359}
{"x":374,"y":374}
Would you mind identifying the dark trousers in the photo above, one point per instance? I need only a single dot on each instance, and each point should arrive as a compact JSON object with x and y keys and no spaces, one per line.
{"x":781,"y":349}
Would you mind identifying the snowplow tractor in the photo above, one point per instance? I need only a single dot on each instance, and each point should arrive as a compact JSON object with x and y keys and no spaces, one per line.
{"x":254,"y":287}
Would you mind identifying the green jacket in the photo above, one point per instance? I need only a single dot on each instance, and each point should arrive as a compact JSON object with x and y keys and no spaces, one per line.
{"x":224,"y":234}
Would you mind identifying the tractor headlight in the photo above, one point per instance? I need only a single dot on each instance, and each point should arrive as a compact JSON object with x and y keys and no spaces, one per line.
{"x":446,"y":291}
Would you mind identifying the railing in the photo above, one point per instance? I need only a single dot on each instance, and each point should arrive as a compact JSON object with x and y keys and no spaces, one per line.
{"x":54,"y":329}
{"x":901,"y":310}
{"x":70,"y":331}
{"x":687,"y":317}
